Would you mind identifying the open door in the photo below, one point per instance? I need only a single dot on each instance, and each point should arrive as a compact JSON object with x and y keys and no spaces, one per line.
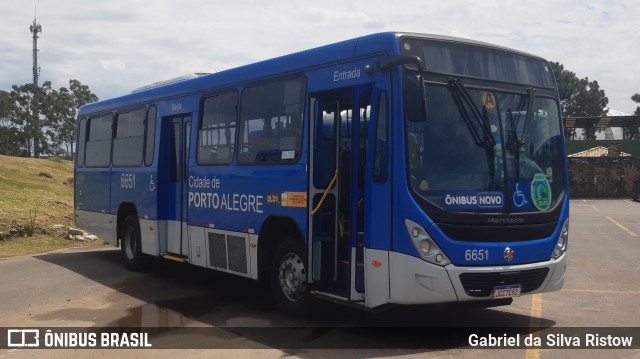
{"x":339,"y":137}
{"x":172,"y":191}
{"x":377,"y":211}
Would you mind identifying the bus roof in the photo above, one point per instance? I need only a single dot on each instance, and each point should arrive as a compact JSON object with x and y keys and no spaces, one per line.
{"x":386,"y":42}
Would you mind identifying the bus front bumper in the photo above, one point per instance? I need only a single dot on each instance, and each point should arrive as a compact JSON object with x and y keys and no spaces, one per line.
{"x":414,"y":281}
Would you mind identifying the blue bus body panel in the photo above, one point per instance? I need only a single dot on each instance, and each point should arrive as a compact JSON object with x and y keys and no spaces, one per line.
{"x":297,"y":62}
{"x":93,"y":190}
{"x":240,"y":198}
{"x":533,"y":251}
{"x":405,"y":207}
{"x":257,"y":182}
{"x":343,"y":75}
{"x":135,"y":185}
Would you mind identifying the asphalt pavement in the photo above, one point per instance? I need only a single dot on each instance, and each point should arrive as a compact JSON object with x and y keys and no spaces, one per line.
{"x":88,"y":287}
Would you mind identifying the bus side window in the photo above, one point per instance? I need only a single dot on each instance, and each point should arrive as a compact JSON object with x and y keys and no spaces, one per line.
{"x":151,"y":136}
{"x":291,"y":139}
{"x":128,"y":145}
{"x":98,"y":149}
{"x":217,"y":129}
{"x":82,"y":140}
{"x":271,"y":122}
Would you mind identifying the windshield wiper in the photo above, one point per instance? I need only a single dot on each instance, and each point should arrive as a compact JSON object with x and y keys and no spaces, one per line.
{"x":531,"y":96}
{"x":516,"y":141}
{"x":461,"y":98}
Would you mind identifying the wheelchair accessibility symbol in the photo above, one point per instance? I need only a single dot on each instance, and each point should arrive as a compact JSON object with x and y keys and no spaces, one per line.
{"x":520,"y":194}
{"x":152,"y":185}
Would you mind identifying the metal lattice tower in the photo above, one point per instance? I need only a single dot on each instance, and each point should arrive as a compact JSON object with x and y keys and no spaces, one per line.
{"x":35,"y":29}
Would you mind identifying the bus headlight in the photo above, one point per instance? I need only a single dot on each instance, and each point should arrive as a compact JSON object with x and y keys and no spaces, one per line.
{"x":561,"y":245}
{"x":425,"y":245}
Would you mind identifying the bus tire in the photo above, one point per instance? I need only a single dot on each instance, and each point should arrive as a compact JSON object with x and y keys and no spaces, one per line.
{"x":130,"y":245}
{"x":289,"y":278}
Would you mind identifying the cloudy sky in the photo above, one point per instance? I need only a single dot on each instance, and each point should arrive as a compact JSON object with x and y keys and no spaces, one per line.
{"x":117,"y":45}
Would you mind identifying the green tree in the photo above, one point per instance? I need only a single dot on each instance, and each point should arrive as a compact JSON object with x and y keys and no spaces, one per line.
{"x":579,"y":97}
{"x":633,"y":133}
{"x":11,"y":141}
{"x":10,"y":137}
{"x":636,"y":98}
{"x":42,"y":120}
{"x":61,"y":109}
{"x":25,"y":116}
{"x":5,"y":104}
{"x":58,"y":108}
{"x":81,"y":94}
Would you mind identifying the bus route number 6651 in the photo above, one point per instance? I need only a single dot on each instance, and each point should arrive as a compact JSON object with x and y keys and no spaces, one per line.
{"x":128,"y":180}
{"x":476,"y":255}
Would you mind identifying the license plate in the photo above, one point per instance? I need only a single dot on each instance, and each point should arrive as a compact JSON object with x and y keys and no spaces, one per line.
{"x":507,"y":291}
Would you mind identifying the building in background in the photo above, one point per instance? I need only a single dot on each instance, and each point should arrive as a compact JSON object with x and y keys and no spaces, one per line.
{"x":609,"y":165}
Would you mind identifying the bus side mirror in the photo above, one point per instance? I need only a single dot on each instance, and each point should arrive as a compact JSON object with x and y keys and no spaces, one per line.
{"x":415,"y":95}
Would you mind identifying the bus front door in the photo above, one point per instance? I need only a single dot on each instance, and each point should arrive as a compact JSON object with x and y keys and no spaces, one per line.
{"x":336,"y":213}
{"x":172,"y":196}
{"x":377,"y":211}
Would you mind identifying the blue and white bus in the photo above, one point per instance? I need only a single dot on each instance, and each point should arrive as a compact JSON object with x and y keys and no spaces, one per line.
{"x":394,"y":168}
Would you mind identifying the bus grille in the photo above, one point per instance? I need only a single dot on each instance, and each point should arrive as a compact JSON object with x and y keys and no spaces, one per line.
{"x":498,"y":233}
{"x":482,"y":284}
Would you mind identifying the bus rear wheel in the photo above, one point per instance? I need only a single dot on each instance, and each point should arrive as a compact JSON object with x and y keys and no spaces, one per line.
{"x":130,"y":244}
{"x":289,"y":278}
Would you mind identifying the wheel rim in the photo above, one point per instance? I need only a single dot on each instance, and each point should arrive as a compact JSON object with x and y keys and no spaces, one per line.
{"x":292,"y":276}
{"x":129,"y":243}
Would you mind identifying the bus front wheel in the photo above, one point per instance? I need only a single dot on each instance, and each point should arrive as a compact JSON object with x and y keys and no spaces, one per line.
{"x":289,"y":278}
{"x":130,"y":243}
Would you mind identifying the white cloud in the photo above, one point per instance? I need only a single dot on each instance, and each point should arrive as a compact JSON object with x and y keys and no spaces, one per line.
{"x":114,"y":46}
{"x":110,"y":65}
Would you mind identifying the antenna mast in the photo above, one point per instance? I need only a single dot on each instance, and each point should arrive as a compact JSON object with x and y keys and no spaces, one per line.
{"x":35,"y":29}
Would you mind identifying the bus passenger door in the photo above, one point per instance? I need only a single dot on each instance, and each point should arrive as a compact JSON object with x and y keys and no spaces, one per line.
{"x":173,"y":175}
{"x":336,"y":184}
{"x":377,"y":211}
{"x":323,"y":190}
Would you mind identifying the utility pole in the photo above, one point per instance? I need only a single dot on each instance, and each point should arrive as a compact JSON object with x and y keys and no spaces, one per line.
{"x":35,"y":29}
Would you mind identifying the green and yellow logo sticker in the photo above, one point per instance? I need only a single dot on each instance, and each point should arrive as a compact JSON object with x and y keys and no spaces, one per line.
{"x":541,"y":192}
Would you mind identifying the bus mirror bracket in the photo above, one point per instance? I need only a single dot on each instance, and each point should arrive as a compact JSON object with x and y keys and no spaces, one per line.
{"x":391,"y":62}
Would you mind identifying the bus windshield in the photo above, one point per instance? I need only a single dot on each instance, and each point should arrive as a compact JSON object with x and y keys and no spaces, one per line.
{"x":479,"y":61}
{"x":484,"y":150}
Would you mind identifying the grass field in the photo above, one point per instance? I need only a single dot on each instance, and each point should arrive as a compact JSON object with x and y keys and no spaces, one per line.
{"x":36,"y":197}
